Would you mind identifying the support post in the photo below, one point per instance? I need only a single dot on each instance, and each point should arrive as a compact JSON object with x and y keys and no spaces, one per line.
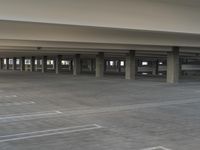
{"x":100,"y":65}
{"x":173,"y":65}
{"x":71,"y":65}
{"x":44,"y":64}
{"x":36,"y":65}
{"x":38,"y":68}
{"x":58,"y":64}
{"x":92,"y":65}
{"x":1,"y":63}
{"x":7,"y":63}
{"x":180,"y":67}
{"x":89,"y":63}
{"x":130,"y":65}
{"x":14,"y":67}
{"x":22,"y":64}
{"x":119,"y":66}
{"x":32,"y":64}
{"x":76,"y":65}
{"x":155,"y":67}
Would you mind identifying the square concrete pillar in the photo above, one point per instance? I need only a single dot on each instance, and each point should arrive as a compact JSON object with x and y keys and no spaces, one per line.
{"x":7,"y":63}
{"x":32,"y":64}
{"x":100,"y":65}
{"x":77,"y":64}
{"x":71,"y":65}
{"x":22,"y":64}
{"x":92,"y":65}
{"x":130,"y":72}
{"x":58,"y":64}
{"x":155,"y":65}
{"x":137,"y":62}
{"x":37,"y":66}
{"x":1,"y":63}
{"x":89,"y":64}
{"x":14,"y":67}
{"x":105,"y":66}
{"x":119,"y":66}
{"x":173,"y":65}
{"x":44,"y":64}
{"x":180,"y":67}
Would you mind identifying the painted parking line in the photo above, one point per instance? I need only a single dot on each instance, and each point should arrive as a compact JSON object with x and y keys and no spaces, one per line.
{"x":88,"y":111}
{"x":38,"y":115}
{"x":157,"y":148}
{"x":113,"y":109}
{"x":50,"y":132}
{"x":8,"y":96}
{"x":17,"y":103}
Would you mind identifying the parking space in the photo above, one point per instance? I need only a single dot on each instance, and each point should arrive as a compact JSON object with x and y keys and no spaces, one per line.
{"x":49,"y":111}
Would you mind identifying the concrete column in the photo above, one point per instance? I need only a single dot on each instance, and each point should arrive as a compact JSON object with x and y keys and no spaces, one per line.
{"x":81,"y":65}
{"x":155,"y":67}
{"x":58,"y":64}
{"x":44,"y":64}
{"x":92,"y":65}
{"x":119,"y":66}
{"x":22,"y":64}
{"x":137,"y":62}
{"x":76,"y":65}
{"x":130,"y":72}
{"x":100,"y":65}
{"x":32,"y":64}
{"x":89,"y":65}
{"x":14,"y":67}
{"x":71,"y":65}
{"x":38,"y":64}
{"x":180,"y":67}
{"x":7,"y":63}
{"x":1,"y":63}
{"x":105,"y":66}
{"x":173,"y":65}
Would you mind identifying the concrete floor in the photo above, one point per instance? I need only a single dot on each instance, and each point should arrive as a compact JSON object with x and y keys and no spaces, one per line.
{"x":61,"y":112}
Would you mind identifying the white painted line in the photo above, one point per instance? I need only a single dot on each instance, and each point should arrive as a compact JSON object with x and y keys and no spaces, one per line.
{"x":113,"y":109}
{"x":157,"y":148}
{"x":9,"y":118}
{"x":59,"y":112}
{"x":17,"y":103}
{"x":8,"y":96}
{"x":89,"y":110}
{"x":43,"y":133}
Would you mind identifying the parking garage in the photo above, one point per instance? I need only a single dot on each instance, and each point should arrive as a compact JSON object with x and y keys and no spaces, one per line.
{"x":171,"y":65}
{"x":99,"y":75}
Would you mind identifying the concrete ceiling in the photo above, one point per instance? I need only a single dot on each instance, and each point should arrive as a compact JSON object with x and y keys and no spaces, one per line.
{"x":25,"y":38}
{"x":195,"y":3}
{"x":154,"y":15}
{"x":12,"y":30}
{"x":35,"y":27}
